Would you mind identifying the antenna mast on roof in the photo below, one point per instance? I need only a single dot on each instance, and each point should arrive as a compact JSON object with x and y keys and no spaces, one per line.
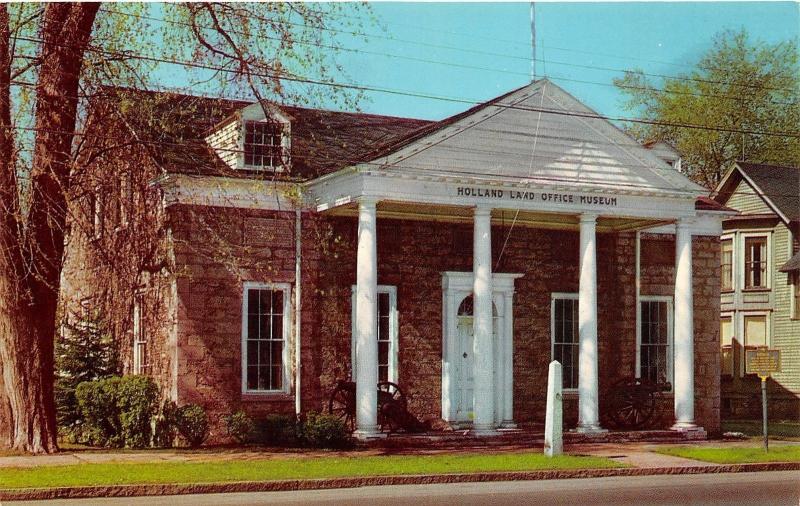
{"x":533,"y":42}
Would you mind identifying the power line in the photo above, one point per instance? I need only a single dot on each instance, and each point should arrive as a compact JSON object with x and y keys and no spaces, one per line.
{"x":377,"y":89}
{"x":532,"y":60}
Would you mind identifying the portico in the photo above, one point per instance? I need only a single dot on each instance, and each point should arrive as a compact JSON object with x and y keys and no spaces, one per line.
{"x":591,"y":183}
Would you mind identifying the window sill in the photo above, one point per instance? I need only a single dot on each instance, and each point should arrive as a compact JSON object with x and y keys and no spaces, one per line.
{"x":267,"y":397}
{"x":756,"y":290}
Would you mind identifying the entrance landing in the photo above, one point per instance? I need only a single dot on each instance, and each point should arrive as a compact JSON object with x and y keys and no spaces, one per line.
{"x":526,"y":438}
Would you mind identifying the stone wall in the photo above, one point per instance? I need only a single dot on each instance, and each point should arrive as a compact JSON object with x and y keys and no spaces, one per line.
{"x":412,"y":256}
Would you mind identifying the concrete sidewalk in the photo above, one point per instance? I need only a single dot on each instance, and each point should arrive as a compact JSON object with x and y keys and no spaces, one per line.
{"x":637,"y":454}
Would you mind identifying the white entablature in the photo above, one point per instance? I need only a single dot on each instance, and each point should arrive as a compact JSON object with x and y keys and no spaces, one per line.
{"x":535,"y":149}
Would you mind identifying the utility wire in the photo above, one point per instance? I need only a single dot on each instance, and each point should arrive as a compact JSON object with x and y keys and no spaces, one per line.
{"x":391,"y":91}
{"x":530,"y":59}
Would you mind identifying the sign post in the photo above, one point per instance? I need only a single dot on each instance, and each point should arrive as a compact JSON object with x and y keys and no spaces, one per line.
{"x":763,"y":361}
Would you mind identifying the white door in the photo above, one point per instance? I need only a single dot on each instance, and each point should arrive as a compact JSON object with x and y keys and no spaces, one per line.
{"x":465,"y":386}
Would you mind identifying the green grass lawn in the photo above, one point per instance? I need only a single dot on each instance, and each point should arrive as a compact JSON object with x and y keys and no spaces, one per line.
{"x":753,"y":428}
{"x":736,"y":455}
{"x":278,"y":469}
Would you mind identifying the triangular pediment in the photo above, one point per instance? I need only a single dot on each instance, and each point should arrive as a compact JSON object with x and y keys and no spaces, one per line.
{"x":538,"y":135}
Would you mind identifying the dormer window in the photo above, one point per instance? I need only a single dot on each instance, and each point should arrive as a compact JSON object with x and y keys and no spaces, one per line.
{"x":263,"y":144}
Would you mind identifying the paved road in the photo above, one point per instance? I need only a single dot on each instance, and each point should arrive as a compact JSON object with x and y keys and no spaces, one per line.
{"x":762,"y":489}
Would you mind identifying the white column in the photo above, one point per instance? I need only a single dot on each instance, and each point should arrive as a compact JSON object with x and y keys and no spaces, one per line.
{"x":367,"y":322}
{"x":508,"y":364}
{"x":683,"y":382}
{"x":482,"y":344}
{"x":588,"y":411}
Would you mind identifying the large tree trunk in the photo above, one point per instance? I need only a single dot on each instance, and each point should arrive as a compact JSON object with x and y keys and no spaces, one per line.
{"x":31,"y":268}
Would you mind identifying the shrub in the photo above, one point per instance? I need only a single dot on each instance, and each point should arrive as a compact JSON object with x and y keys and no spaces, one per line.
{"x":325,"y":431}
{"x":117,"y":411}
{"x":164,"y":425}
{"x":97,"y":403}
{"x":240,"y":426}
{"x":137,"y":400}
{"x":192,"y":423}
{"x":277,"y":430}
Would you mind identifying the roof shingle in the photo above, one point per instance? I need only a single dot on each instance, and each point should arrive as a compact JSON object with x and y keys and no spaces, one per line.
{"x":778,"y":183}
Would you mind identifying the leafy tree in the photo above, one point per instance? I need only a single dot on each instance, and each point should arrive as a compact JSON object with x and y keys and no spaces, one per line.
{"x":736,"y":85}
{"x":53,"y":58}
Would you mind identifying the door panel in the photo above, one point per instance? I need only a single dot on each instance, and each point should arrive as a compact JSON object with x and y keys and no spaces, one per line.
{"x":465,"y":392}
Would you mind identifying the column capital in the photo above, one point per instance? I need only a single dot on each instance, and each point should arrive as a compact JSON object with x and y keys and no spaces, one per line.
{"x":683,"y":223}
{"x":483,"y":210}
{"x":367,"y":201}
{"x":588,"y":217}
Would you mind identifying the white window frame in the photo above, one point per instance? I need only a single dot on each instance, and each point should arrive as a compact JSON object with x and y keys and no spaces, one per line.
{"x":98,"y":218}
{"x":741,"y":264}
{"x":140,"y":360}
{"x":734,"y":339}
{"x":734,"y":276}
{"x":553,"y":297}
{"x":743,"y":339}
{"x":670,"y":334}
{"x":394,"y":347}
{"x":256,"y":115}
{"x":287,"y":322}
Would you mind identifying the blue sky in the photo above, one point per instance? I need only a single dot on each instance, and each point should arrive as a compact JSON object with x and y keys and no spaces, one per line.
{"x":660,"y":38}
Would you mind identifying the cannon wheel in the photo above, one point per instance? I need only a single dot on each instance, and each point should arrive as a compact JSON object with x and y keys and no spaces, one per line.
{"x":632,"y":404}
{"x":391,"y":400}
{"x":342,"y":404}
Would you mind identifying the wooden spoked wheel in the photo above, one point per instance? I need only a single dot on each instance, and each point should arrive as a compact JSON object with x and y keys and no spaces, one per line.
{"x":391,"y":406}
{"x":342,"y":403}
{"x":632,"y":404}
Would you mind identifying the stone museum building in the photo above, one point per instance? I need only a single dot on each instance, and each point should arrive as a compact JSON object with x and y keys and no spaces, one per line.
{"x":250,"y":257}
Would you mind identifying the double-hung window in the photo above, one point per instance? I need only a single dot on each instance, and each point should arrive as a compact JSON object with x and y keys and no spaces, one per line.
{"x":727,"y":264}
{"x":755,"y":262}
{"x":564,"y":332}
{"x":726,"y":344}
{"x":387,"y":333}
{"x":141,"y":356}
{"x":265,"y":330}
{"x":655,"y":339}
{"x":755,"y":330}
{"x":263,"y":144}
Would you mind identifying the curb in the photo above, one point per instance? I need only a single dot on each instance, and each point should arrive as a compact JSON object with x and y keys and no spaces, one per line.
{"x":34,"y":494}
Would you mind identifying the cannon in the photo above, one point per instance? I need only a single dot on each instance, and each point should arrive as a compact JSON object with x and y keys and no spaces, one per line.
{"x":393,"y":411}
{"x":631,"y":403}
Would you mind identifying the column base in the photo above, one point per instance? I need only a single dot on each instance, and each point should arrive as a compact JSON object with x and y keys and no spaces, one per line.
{"x":685,"y":427}
{"x":483,"y":430}
{"x":369,"y":433}
{"x":690,"y":431}
{"x":590,"y":429}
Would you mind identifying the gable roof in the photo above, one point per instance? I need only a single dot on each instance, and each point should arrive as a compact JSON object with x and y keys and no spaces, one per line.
{"x":537,"y":134}
{"x":322,"y":141}
{"x":777,"y":185}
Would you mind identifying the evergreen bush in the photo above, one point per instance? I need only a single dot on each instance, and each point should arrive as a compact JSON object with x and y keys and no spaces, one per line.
{"x":325,"y":431}
{"x":240,"y":427}
{"x":192,"y":423}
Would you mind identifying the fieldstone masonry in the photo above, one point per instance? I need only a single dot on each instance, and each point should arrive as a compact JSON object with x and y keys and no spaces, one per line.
{"x":216,"y":249}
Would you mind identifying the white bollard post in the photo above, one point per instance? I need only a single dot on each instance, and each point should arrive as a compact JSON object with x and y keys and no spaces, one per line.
{"x":553,"y":427}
